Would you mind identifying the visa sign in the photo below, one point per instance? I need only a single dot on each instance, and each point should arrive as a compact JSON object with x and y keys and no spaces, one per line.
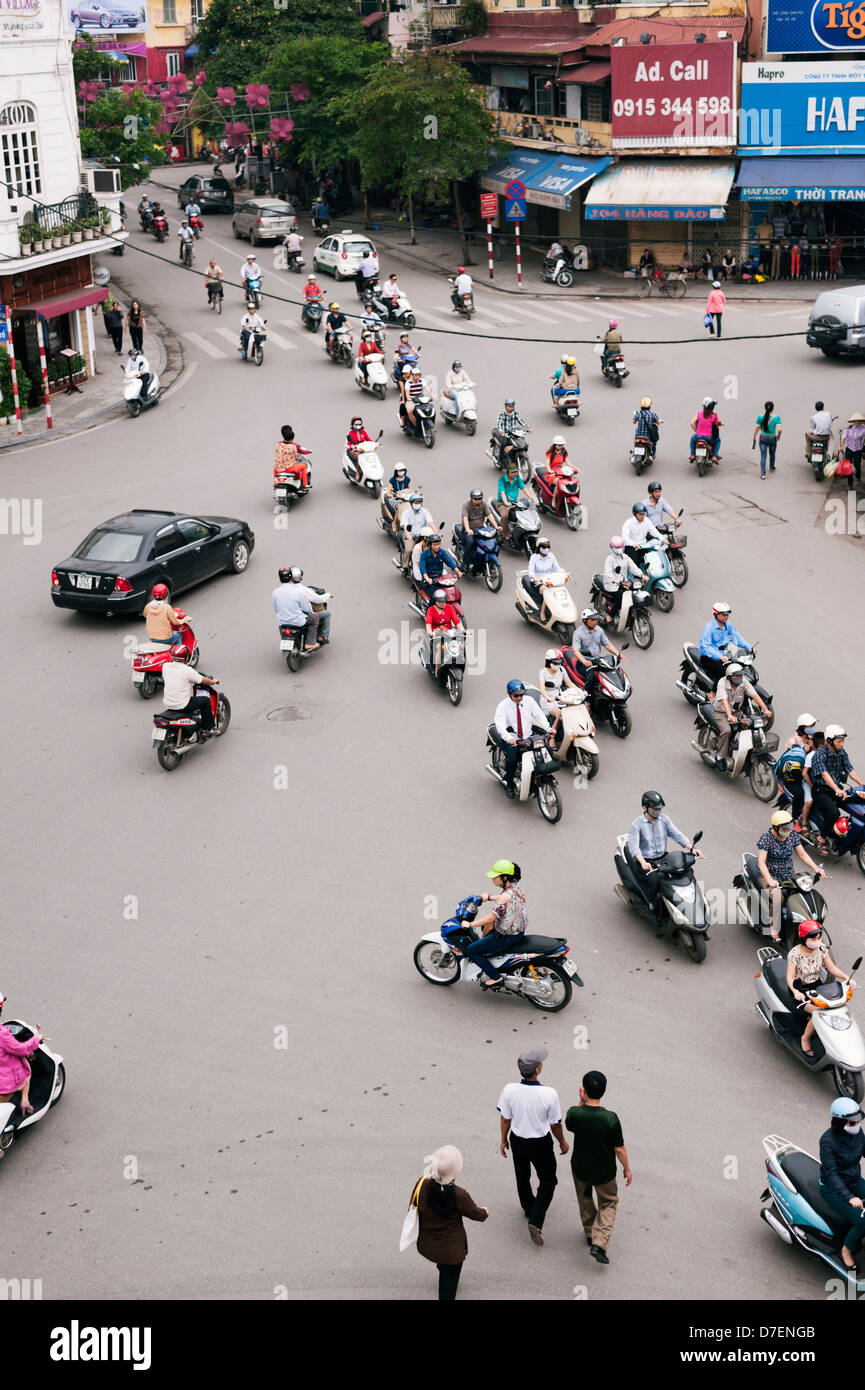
{"x":812,"y":26}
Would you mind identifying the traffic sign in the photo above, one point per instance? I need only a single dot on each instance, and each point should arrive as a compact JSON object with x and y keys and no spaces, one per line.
{"x":4,"y":331}
{"x":515,"y":189}
{"x":515,"y":210}
{"x":489,"y":207}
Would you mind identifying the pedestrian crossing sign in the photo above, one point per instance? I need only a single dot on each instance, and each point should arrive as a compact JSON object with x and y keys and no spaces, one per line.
{"x":515,"y":209}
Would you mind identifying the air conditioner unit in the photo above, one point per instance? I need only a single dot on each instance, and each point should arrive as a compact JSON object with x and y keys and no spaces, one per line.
{"x":581,"y":137}
{"x":104,"y":181}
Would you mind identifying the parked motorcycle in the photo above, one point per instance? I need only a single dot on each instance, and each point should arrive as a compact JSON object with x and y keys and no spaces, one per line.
{"x":462,"y":409}
{"x":752,"y":750}
{"x":47,"y":1083}
{"x":801,"y":903}
{"x":339,"y":347}
{"x":255,"y":346}
{"x":371,"y":469}
{"x":608,"y":693}
{"x":539,"y":969}
{"x":535,"y":774}
{"x":519,"y":450}
{"x":659,"y":583}
{"x":566,"y":405}
{"x":288,"y":489}
{"x":149,"y":659}
{"x":558,"y":494}
{"x":697,"y":686}
{"x":175,"y":735}
{"x":311,"y":319}
{"x":291,"y":639}
{"x":375,"y":380}
{"x":486,"y":549}
{"x":424,"y":420}
{"x":837,"y":1044}
{"x":633,"y":610}
{"x":525,"y":526}
{"x":561,"y":611}
{"x":463,"y":304}
{"x":448,"y":645}
{"x":679,"y":910}
{"x":135,"y":399}
{"x":796,"y":1210}
{"x":846,"y":834}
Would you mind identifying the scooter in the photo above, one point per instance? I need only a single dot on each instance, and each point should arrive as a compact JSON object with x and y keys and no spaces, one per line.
{"x":751,"y":750}
{"x":366,"y":286}
{"x":389,"y":508}
{"x":424,"y":414}
{"x":400,"y":313}
{"x":641,"y":454}
{"x":676,"y":543}
{"x":566,"y":405}
{"x":339,"y":348}
{"x":174,"y":735}
{"x":837,"y":1044}
{"x":702,"y":456}
{"x":561,"y":611}
{"x":375,"y":380}
{"x":132,"y":394}
{"x":576,"y":744}
{"x":159,"y":226}
{"x":291,"y":639}
{"x":697,"y":686}
{"x":559,"y":271}
{"x":371,"y":469}
{"x":539,"y":969}
{"x":633,"y":610}
{"x":463,"y":304}
{"x":820,"y":451}
{"x":197,"y":225}
{"x":614,"y":369}
{"x":660,"y":581}
{"x":608,"y":694}
{"x":535,"y":774}
{"x":255,"y":346}
{"x":486,"y":550}
{"x":461,"y":409}
{"x":253,"y":292}
{"x":288,"y":489}
{"x":558,"y":495}
{"x":846,"y":835}
{"x":519,"y":450}
{"x":47,"y":1083}
{"x":679,"y":910}
{"x":449,"y":582}
{"x":145,"y":217}
{"x":399,"y":365}
{"x":149,"y":659}
{"x":801,"y":903}
{"x":796,"y":1210}
{"x":293,"y":260}
{"x":449,"y":644}
{"x":525,"y":526}
{"x":312,"y":315}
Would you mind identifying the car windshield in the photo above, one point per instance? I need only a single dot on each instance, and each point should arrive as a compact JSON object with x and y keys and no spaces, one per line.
{"x":275,"y":210}
{"x":117,"y":547}
{"x":218,"y":185}
{"x":358,"y":248}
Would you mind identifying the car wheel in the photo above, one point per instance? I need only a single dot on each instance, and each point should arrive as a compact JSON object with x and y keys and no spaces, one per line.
{"x":105,"y":21}
{"x":236,"y":232}
{"x":239,"y":557}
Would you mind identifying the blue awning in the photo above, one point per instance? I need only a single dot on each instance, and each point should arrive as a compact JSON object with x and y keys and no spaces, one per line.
{"x":832,"y":179}
{"x":554,"y":185}
{"x":115,"y":56}
{"x":518,"y":164}
{"x":191,"y":51}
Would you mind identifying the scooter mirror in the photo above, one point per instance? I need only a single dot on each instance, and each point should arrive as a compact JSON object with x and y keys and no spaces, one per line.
{"x":441,"y":526}
{"x":857,"y":962}
{"x":698,"y":836}
{"x":624,"y":647}
{"x":681,"y":511}
{"x":379,"y":435}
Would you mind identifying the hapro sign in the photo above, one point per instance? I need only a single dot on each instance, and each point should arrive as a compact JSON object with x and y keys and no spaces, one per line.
{"x":815,"y":26}
{"x":803,"y":106}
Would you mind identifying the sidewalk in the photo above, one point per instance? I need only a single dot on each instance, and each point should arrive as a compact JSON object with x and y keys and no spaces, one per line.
{"x":102,"y":394}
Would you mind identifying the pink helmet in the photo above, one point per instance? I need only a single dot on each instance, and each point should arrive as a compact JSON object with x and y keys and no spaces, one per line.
{"x":616,"y":543}
{"x":614,"y":323}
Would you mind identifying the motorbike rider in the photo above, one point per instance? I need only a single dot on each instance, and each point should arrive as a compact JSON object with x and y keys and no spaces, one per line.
{"x":367,"y":272}
{"x":178,"y":690}
{"x":138,"y":365}
{"x":456,"y":378}
{"x":250,"y":270}
{"x":251,"y":322}
{"x":821,"y":429}
{"x":566,"y":379}
{"x":706,"y":425}
{"x":312,"y":291}
{"x":185,"y":237}
{"x":657,"y":508}
{"x":320,"y":213}
{"x":646,"y":424}
{"x":287,"y":458}
{"x":718,"y":634}
{"x":402,"y":351}
{"x":841,"y":1183}
{"x":475,"y":513}
{"x":161,"y":619}
{"x":414,"y":517}
{"x":357,"y":435}
{"x":504,"y":928}
{"x":647,"y":840}
{"x":637,"y":531}
{"x":156,"y":212}
{"x":292,"y":244}
{"x":336,"y":319}
{"x":145,"y":212}
{"x":462,"y":286}
{"x":731,"y":692}
{"x":509,"y":420}
{"x":368,"y":348}
{"x":542,"y":564}
{"x":590,"y":640}
{"x":612,"y":344}
{"x":775,"y":850}
{"x":551,"y":680}
{"x":620,"y":571}
{"x":411,"y":389}
{"x":213,"y":278}
{"x":292,"y":607}
{"x":556,"y":457}
{"x":515,"y":718}
{"x":831,"y":769}
{"x":15,"y":1074}
{"x":440,"y":615}
{"x":510,"y":490}
{"x":433,"y":563}
{"x":806,"y":962}
{"x":396,"y":496}
{"x":192,"y":211}
{"x":389,"y":292}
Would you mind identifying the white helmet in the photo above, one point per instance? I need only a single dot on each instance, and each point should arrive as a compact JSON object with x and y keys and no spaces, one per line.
{"x":589,"y":613}
{"x":806,"y":721}
{"x":563,"y":359}
{"x":559,"y":439}
{"x":722,"y":607}
{"x":835,"y":731}
{"x":553,"y":654}
{"x":734,"y":670}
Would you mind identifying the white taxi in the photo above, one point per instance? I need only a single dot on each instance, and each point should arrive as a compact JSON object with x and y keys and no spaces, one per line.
{"x":342,"y":253}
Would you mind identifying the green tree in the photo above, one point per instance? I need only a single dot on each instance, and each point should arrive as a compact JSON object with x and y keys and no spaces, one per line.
{"x":24,"y":384}
{"x":90,"y":62}
{"x":122,"y":125}
{"x":419,"y":126}
{"x":237,"y":37}
{"x":327,"y":66}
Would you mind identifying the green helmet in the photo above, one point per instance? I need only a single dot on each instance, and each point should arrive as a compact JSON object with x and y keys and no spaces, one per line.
{"x":501,"y":866}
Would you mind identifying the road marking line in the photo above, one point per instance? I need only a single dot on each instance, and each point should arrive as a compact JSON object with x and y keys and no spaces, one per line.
{"x":205,"y":346}
{"x":233,"y":338}
{"x":281,"y":342}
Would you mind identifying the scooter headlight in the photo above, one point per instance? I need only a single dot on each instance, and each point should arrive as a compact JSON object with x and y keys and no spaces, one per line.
{"x":453,"y":648}
{"x":839,"y":1019}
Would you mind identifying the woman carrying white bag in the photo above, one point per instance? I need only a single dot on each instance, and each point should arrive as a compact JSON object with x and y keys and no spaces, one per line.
{"x":435,"y":1218}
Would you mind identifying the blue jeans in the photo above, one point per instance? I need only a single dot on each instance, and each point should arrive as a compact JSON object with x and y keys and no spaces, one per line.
{"x":566,"y":391}
{"x":493,"y":944}
{"x":173,"y":641}
{"x":716,"y":444}
{"x":768,"y":445}
{"x":856,"y":1215}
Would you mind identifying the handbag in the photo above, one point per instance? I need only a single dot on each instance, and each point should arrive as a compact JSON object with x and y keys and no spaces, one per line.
{"x":707,"y":321}
{"x":829,"y":468}
{"x":411,"y":1223}
{"x":844,"y":469}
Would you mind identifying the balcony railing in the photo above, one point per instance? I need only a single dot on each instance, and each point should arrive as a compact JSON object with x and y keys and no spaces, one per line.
{"x":553,"y":130}
{"x":52,"y":216}
{"x":447,"y":17}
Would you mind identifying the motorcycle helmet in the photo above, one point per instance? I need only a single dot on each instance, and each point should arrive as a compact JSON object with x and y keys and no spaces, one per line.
{"x":516,"y":688}
{"x":782,"y":818}
{"x":570,"y":361}
{"x":403,"y":337}
{"x":439,"y":596}
{"x":654,"y":487}
{"x":559,"y":440}
{"x":806,"y":721}
{"x":614,"y":323}
{"x":415,"y":497}
{"x":503,"y":868}
{"x":553,"y":657}
{"x":716,"y":284}
{"x":414,"y":371}
{"x":735,"y":673}
{"x":310,"y":279}
{"x":708,"y":403}
{"x":406,"y":371}
{"x":652,"y":801}
{"x":646,"y":403}
{"x":721,"y":608}
{"x":616,"y":543}
{"x":159,"y":591}
{"x":810,"y":928}
{"x":180,"y":653}
{"x":542,"y":543}
{"x":366,"y":335}
{"x":356,"y":422}
{"x":456,"y":365}
{"x":476,"y":494}
{"x":563,"y":359}
{"x":296,"y":574}
{"x":589,"y":613}
{"x":509,"y":400}
{"x":843,"y":1108}
{"x":399,"y":468}
{"x":835,"y":731}
{"x":638,"y":507}
{"x":461,"y":270}
{"x":333,"y":305}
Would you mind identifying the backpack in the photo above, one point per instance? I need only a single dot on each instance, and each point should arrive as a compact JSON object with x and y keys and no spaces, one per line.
{"x":791,"y":764}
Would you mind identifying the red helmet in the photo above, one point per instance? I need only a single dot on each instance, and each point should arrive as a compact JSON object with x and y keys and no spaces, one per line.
{"x":180,"y":652}
{"x":461,"y":270}
{"x":159,"y":591}
{"x":808,"y":928}
{"x":841,"y":826}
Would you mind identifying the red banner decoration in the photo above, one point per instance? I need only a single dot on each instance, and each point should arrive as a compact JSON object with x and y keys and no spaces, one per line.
{"x":676,"y":94}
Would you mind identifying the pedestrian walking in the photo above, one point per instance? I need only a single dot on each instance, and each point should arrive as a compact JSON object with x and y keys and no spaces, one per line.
{"x":598,"y":1142}
{"x":852,"y":438}
{"x":768,"y":429}
{"x":530,"y":1116}
{"x":441,"y":1209}
{"x":715,"y":306}
{"x":137,"y":325}
{"x":114,"y":324}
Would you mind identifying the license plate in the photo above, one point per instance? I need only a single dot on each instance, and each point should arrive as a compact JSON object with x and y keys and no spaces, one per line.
{"x":84,"y":581}
{"x":282,"y":492}
{"x":571,"y":413}
{"x":757,"y":723}
{"x":568,"y":967}
{"x":138,"y":677}
{"x":158,"y":735}
{"x":285,"y":646}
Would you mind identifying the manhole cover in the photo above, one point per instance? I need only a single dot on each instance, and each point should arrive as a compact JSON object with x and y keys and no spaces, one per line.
{"x":289,"y":714}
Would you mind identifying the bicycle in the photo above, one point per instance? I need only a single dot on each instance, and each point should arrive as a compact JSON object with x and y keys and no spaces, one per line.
{"x":215,"y":300}
{"x":669,"y":282}
{"x":187,"y":254}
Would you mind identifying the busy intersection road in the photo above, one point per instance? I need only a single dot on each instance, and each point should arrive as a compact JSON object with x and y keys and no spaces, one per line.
{"x":224,"y":956}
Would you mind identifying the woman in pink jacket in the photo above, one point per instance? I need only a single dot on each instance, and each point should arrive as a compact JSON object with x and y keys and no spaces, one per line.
{"x":715,"y":306}
{"x":14,"y":1070}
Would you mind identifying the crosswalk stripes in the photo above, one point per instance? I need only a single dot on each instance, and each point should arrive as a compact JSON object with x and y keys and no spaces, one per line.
{"x":233,"y":338}
{"x":273,"y":337}
{"x":204,"y":345}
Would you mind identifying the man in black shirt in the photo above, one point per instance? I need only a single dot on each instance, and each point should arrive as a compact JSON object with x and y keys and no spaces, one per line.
{"x":598,"y":1142}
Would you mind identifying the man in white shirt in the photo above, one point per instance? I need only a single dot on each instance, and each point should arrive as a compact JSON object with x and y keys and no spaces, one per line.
{"x":638,"y":531}
{"x":821,"y":427}
{"x":515,"y":718}
{"x":184,"y":237}
{"x":390,"y":291}
{"x":530,"y":1116}
{"x":462,"y":286}
{"x":414,"y":517}
{"x":367,"y":272}
{"x":292,"y":607}
{"x":178,"y":693}
{"x":251,"y":321}
{"x":138,"y":365}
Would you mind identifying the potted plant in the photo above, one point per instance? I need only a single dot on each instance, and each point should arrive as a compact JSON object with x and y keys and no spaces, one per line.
{"x":36,"y":238}
{"x":87,"y":228}
{"x":25,"y":238}
{"x":75,"y":231}
{"x":105,"y":221}
{"x":65,"y":233}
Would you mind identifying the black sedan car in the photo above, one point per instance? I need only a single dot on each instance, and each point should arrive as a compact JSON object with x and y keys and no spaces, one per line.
{"x":211,"y":192}
{"x":115,"y":567}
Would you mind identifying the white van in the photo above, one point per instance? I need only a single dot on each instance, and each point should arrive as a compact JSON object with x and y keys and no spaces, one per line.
{"x":836,"y":324}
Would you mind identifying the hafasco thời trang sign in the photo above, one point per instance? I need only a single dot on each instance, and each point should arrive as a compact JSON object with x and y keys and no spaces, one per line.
{"x":803,"y":106}
{"x":675,"y":94}
{"x":815,"y":26}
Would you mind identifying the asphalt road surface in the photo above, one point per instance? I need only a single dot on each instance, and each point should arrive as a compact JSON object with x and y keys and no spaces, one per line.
{"x":224,"y":956}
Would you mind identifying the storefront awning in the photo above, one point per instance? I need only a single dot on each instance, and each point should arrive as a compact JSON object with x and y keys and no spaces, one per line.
{"x":113,"y":53}
{"x":832,"y":179}
{"x":518,"y":164}
{"x":553,"y":185}
{"x":676,"y":190}
{"x":60,"y":304}
{"x":586,"y":75}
